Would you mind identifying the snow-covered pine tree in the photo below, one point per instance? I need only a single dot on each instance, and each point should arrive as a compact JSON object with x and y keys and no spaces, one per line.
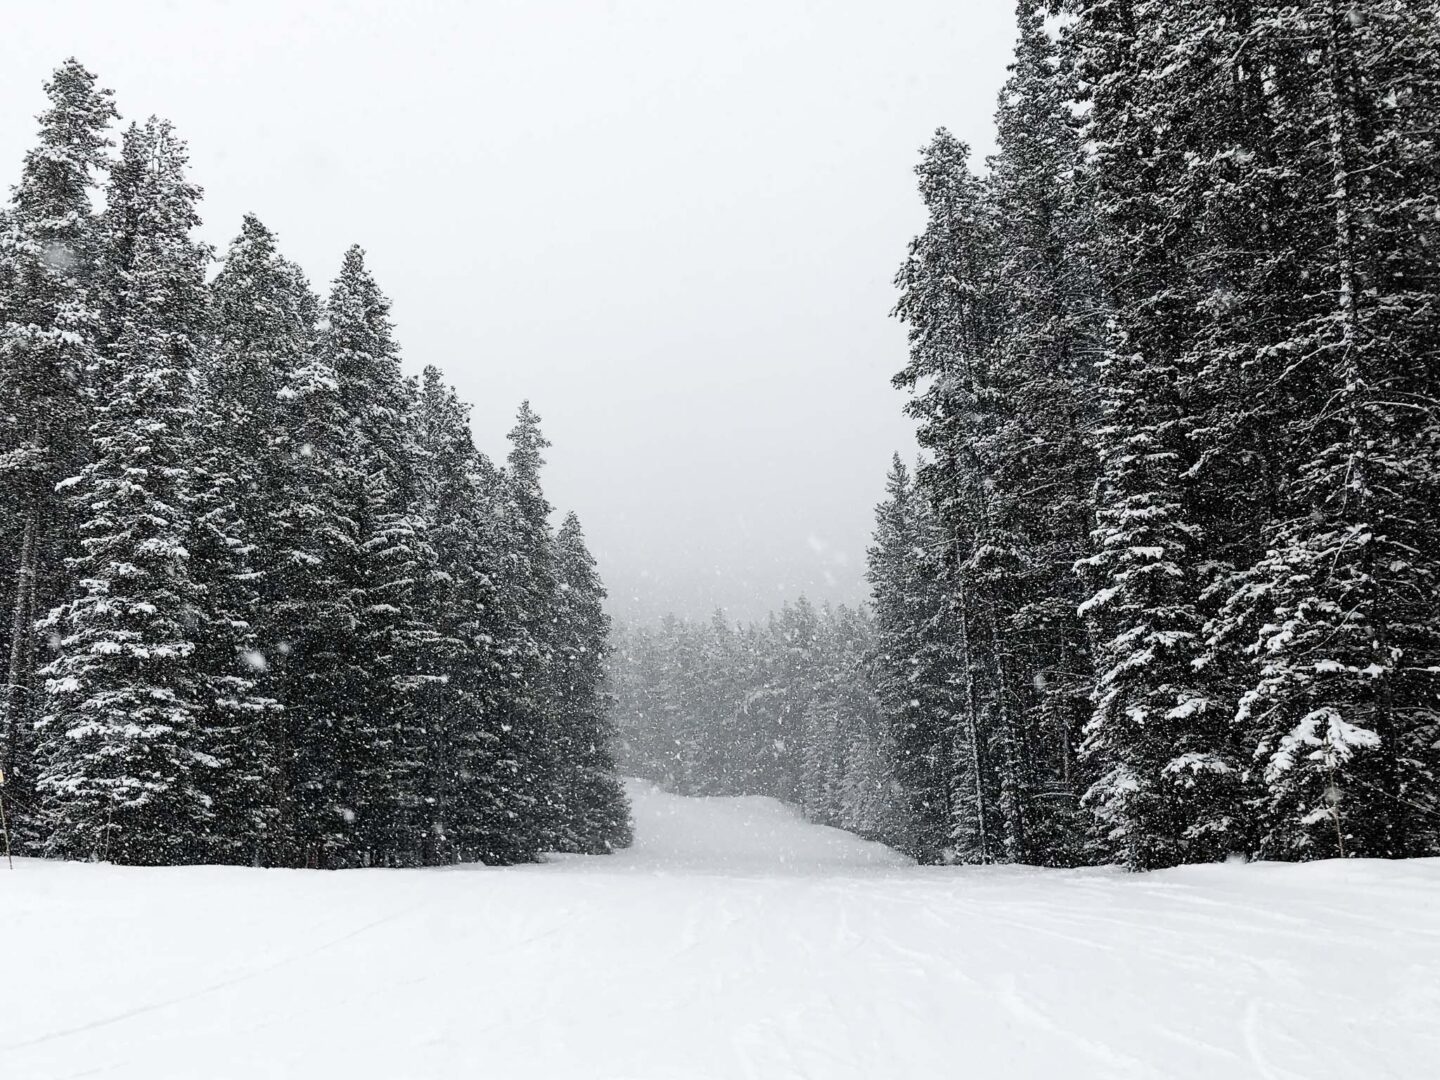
{"x":859,"y":787}
{"x":869,"y":802}
{"x":467,"y":783}
{"x":840,"y":724}
{"x":396,"y":640}
{"x":951,"y":298}
{"x":922,"y":681}
{"x":1156,"y":740}
{"x":527,"y":596}
{"x":648,"y":674}
{"x":1342,"y":709}
{"x":824,"y":735}
{"x":239,"y":712}
{"x":11,"y":529}
{"x":593,"y":811}
{"x":127,"y":763}
{"x":1242,"y":224}
{"x":499,"y":807}
{"x":724,"y":725}
{"x":284,"y":456}
{"x":754,"y":764}
{"x":794,"y":670}
{"x":394,"y":569}
{"x":635,"y":669}
{"x":47,"y":347}
{"x":1237,"y":277}
{"x":1039,"y":458}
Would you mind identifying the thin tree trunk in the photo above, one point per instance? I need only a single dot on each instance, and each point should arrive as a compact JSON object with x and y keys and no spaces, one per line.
{"x":22,"y":634}
{"x":977,"y":752}
{"x":1013,"y":779}
{"x":1066,"y":664}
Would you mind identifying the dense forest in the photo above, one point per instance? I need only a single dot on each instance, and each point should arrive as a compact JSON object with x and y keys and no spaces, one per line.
{"x":1165,"y":584}
{"x":786,"y":709}
{"x":1162,"y":587}
{"x":266,"y":601}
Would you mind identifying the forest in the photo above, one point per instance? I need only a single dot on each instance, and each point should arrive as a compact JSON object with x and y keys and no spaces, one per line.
{"x":267,"y":603}
{"x":1161,"y":587}
{"x":1164,"y":585}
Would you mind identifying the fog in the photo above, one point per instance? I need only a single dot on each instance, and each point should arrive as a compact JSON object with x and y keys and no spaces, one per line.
{"x":671,"y":226}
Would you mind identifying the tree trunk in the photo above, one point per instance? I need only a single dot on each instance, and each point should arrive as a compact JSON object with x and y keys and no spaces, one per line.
{"x":1014,"y":778}
{"x":22,"y":652}
{"x":977,"y":752}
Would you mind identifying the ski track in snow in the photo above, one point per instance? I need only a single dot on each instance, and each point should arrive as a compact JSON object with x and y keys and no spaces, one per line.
{"x":733,"y":941}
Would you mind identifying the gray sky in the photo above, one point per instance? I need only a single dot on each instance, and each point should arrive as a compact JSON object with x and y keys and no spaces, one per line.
{"x":671,"y":225}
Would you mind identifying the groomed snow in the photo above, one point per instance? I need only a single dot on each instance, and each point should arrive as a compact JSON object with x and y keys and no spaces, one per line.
{"x":732,"y":941}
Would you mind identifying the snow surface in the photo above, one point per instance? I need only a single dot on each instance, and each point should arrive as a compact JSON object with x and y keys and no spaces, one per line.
{"x":732,"y":941}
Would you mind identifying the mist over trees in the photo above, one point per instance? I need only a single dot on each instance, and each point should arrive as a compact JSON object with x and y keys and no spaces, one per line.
{"x":1163,"y":586}
{"x":266,"y":601}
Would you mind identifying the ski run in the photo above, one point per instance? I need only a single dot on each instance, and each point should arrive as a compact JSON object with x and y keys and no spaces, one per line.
{"x":732,"y":940}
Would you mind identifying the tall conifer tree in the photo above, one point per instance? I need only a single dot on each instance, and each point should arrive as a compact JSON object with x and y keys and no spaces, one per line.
{"x":593,"y":811}
{"x":47,"y":347}
{"x":278,"y":445}
{"x":128,"y":763}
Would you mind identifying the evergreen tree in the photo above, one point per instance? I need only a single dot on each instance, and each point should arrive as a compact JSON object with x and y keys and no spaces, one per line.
{"x":127,"y":760}
{"x":528,"y":598}
{"x":1152,"y":737}
{"x":1343,"y":705}
{"x":922,"y":679}
{"x":466,"y":782}
{"x":650,"y":669}
{"x":594,"y":814}
{"x":842,"y":773}
{"x":392,"y":571}
{"x":1041,"y":462}
{"x":794,"y":679}
{"x":47,"y":347}
{"x":952,"y":291}
{"x":280,"y":464}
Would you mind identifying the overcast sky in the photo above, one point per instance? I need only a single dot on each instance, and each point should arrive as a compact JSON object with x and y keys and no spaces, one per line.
{"x":671,"y":225}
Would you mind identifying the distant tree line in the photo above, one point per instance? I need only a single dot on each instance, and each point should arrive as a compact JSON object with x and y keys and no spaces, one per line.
{"x":1165,"y":585}
{"x":267,"y":602}
{"x":786,"y":708}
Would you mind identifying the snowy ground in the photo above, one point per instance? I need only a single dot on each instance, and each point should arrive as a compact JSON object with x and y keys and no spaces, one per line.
{"x":732,"y":941}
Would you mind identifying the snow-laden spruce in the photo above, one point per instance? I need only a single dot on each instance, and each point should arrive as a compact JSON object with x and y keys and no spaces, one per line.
{"x":1180,"y":339}
{"x":268,"y":603}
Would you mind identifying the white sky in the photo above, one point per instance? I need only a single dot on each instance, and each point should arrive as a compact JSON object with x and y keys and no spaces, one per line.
{"x":671,"y":225}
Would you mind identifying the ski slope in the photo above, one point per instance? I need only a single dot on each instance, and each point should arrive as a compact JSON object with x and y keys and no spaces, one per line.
{"x":732,"y":941}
